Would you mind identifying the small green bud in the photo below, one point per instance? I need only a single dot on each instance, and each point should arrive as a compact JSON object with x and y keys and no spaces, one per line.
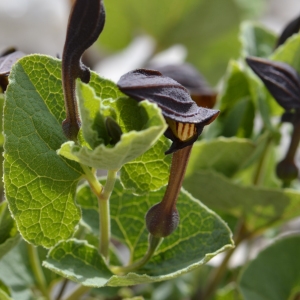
{"x":161,"y":223}
{"x":113,"y":130}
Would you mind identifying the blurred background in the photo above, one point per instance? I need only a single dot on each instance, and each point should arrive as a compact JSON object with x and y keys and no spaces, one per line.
{"x":139,"y":32}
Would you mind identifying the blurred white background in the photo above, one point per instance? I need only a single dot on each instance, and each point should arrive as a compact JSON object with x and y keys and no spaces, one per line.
{"x":39,"y":26}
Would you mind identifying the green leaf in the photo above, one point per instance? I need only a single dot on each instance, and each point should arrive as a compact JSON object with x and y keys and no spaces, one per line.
{"x":16,"y":272}
{"x":260,"y":207}
{"x":141,"y":123}
{"x":203,"y":38}
{"x":289,"y":52}
{"x":200,"y":236}
{"x":1,"y":117}
{"x":235,"y":88}
{"x":9,"y":235}
{"x":150,"y":171}
{"x":4,"y":292}
{"x":275,"y":273}
{"x":4,"y":295}
{"x":266,"y":147}
{"x":224,"y":155}
{"x":92,"y":97}
{"x":256,"y":40}
{"x":236,"y":103}
{"x":40,"y":185}
{"x":240,"y":119}
{"x":92,"y":121}
{"x":78,"y":261}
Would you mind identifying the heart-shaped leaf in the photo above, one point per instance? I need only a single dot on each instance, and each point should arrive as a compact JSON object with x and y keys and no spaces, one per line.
{"x":40,"y":185}
{"x":200,"y":235}
{"x":275,"y":273}
{"x":260,"y":207}
{"x":224,"y":155}
{"x":150,"y":171}
{"x":141,"y":123}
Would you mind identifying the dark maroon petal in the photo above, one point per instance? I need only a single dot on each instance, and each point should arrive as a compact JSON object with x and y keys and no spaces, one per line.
{"x":291,"y":116}
{"x":281,"y":80}
{"x":7,"y":61}
{"x":191,"y":79}
{"x":173,"y":99}
{"x":292,"y":28}
{"x":86,"y":22}
{"x":186,"y":75}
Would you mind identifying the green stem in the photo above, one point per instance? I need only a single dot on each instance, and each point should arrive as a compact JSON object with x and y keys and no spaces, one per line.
{"x":103,"y":195}
{"x":104,"y":214}
{"x":286,"y":185}
{"x":62,"y":289}
{"x":104,"y":227}
{"x":3,"y":212}
{"x":154,"y":242}
{"x":91,"y":177}
{"x":216,"y":276}
{"x":294,"y":143}
{"x":37,"y":270}
{"x":77,"y":292}
{"x":109,"y":185}
{"x":259,"y":171}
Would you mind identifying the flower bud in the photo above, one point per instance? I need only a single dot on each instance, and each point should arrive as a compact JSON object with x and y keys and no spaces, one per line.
{"x":113,"y":130}
{"x":287,"y":171}
{"x":160,"y":222}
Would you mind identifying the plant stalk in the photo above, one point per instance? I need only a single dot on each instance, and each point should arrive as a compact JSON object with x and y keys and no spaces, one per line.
{"x":103,"y":195}
{"x":240,"y":235}
{"x":104,"y":213}
{"x":297,"y":297}
{"x":62,"y":289}
{"x":37,"y":270}
{"x":92,"y":179}
{"x":180,"y":160}
{"x":154,"y":242}
{"x":104,"y":227}
{"x":5,"y":208}
{"x":218,"y":273}
{"x":290,"y":156}
{"x":259,"y":170}
{"x":77,"y":292}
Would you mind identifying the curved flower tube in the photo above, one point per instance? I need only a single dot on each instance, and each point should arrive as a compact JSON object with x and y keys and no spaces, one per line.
{"x":186,"y":121}
{"x":86,"y":22}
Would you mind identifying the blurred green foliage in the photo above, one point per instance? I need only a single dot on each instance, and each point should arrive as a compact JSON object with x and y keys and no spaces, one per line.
{"x":208,"y":29}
